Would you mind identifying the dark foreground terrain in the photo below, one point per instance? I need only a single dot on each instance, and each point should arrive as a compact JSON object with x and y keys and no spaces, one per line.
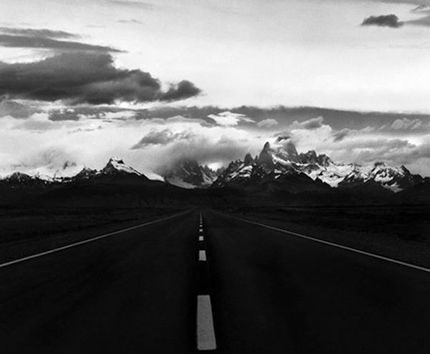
{"x":272,"y":292}
{"x":398,"y":231}
{"x":27,"y":230}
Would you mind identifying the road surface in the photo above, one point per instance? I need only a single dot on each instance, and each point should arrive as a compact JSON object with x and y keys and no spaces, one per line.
{"x":270,"y":292}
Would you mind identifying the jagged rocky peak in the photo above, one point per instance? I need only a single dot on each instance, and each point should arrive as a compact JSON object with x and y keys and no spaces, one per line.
{"x":311,"y":157}
{"x":265,"y":157}
{"x":324,"y":160}
{"x":284,"y":152}
{"x":248,"y":160}
{"x":281,"y":159}
{"x":188,"y":173}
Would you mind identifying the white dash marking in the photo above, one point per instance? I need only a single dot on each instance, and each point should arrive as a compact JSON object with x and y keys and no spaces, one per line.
{"x":202,"y":256}
{"x":201,"y":238}
{"x":200,"y":230}
{"x":205,"y":326}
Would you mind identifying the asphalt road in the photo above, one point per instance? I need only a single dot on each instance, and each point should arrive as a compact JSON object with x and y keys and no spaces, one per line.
{"x":271,"y":292}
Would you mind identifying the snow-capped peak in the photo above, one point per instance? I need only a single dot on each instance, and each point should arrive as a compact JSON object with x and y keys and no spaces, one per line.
{"x":283,"y":159}
{"x":117,"y":166}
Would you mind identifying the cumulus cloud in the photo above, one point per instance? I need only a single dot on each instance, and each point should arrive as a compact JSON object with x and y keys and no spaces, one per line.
{"x":311,"y":124}
{"x":84,"y":77}
{"x":182,"y":90}
{"x":268,"y":123}
{"x":230,"y":119}
{"x":393,"y":21}
{"x":383,"y":21}
{"x":407,"y":124}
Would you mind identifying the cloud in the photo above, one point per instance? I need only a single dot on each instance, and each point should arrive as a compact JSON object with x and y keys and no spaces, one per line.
{"x":162,"y":137}
{"x":15,"y":109}
{"x":393,"y":21}
{"x":311,"y":124}
{"x":19,"y":41}
{"x":407,"y":124}
{"x":423,"y":10}
{"x":341,"y":134}
{"x":37,"y":121}
{"x":132,"y":4}
{"x":90,"y":135}
{"x":42,"y":32}
{"x":383,"y":21}
{"x":423,"y":21}
{"x":182,"y":90}
{"x":134,"y":21}
{"x":83,"y":77}
{"x":119,"y":115}
{"x":230,"y":119}
{"x":268,"y":123}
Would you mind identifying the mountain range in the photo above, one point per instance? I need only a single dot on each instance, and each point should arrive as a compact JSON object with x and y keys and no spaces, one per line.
{"x":283,"y":166}
{"x":279,"y":172}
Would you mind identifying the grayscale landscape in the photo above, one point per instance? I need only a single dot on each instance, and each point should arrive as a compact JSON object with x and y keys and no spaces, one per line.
{"x":239,"y":176}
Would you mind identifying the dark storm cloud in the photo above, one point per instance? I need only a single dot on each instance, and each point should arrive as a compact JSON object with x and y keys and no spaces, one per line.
{"x":40,"y":42}
{"x":383,"y":21}
{"x":184,"y":89}
{"x":83,"y":77}
{"x":42,"y":32}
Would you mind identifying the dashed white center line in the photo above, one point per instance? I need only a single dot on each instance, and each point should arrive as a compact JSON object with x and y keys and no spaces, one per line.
{"x":205,"y":327}
{"x":202,"y":256}
{"x":201,"y":238}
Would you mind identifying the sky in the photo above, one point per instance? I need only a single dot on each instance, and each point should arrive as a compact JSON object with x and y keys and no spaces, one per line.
{"x":154,"y":81}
